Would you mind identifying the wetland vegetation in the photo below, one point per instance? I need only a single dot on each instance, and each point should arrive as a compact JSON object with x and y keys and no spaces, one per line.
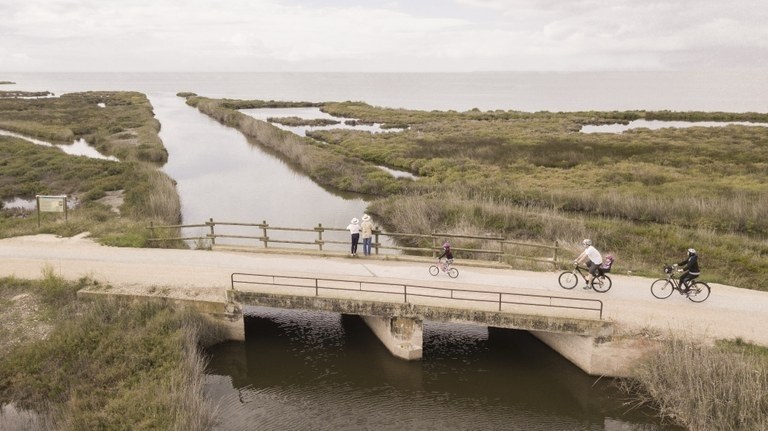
{"x":119,"y":124}
{"x":101,"y":364}
{"x":643,"y":195}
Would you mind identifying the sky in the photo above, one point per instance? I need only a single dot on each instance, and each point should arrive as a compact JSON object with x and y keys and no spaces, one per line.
{"x":382,"y":36}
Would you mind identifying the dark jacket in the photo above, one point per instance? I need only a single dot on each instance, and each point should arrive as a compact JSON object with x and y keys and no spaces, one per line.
{"x":446,"y":253}
{"x":691,"y":264}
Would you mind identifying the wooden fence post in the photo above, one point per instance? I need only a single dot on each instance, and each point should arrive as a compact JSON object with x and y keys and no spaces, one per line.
{"x":213,"y":234}
{"x":376,"y":236}
{"x":151,"y":229}
{"x":264,"y":230}
{"x":320,"y":235}
{"x":554,"y":257}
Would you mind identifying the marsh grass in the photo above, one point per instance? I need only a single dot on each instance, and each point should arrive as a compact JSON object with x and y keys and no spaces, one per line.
{"x":110,"y":364}
{"x":721,"y":387}
{"x":644,"y":196}
{"x":125,"y":128}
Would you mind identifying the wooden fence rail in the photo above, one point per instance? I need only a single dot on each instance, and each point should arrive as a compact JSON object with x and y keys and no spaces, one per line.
{"x":498,"y":248}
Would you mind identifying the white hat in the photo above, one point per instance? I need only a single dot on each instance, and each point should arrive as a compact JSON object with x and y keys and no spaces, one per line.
{"x":355,"y":221}
{"x":366,"y":217}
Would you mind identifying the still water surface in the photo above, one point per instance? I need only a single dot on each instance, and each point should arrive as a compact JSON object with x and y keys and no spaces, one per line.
{"x":323,"y":371}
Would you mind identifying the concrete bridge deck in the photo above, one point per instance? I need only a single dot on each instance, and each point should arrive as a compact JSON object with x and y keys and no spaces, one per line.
{"x":196,"y":275}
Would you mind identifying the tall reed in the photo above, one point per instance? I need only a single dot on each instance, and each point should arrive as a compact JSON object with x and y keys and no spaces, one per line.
{"x":704,"y":387}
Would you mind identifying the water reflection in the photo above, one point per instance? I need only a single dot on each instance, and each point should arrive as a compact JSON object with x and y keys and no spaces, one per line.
{"x":78,"y":148}
{"x":221,"y":174}
{"x":657,"y":124}
{"x":324,"y":371}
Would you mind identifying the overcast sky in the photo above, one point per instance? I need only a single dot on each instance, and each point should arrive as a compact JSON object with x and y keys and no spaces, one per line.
{"x":382,"y":35}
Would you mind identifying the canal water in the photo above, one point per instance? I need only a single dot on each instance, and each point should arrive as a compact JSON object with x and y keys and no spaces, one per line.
{"x":303,"y":370}
{"x":323,"y":371}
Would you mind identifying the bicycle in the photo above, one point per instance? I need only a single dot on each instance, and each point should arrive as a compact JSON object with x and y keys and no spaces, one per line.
{"x":663,"y":287}
{"x":569,"y":279}
{"x":445,"y":267}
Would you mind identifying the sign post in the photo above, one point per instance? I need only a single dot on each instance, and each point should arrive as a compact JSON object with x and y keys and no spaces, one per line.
{"x":51,"y":204}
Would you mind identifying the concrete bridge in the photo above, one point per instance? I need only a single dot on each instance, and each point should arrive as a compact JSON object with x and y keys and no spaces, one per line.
{"x":603,"y":334}
{"x":396,"y":309}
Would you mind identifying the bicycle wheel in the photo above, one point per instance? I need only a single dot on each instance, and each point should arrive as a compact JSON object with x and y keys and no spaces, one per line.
{"x":453,"y":272}
{"x":699,"y":291}
{"x":568,"y":280}
{"x":601,"y":283}
{"x":434,"y":270}
{"x":662,"y":288}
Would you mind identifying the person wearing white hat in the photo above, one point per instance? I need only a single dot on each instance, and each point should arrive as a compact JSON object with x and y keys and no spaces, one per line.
{"x":366,"y":233}
{"x":354,"y":229}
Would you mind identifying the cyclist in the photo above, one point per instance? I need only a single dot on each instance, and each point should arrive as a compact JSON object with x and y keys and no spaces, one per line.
{"x":447,"y":255}
{"x":593,"y":259}
{"x":690,"y":267}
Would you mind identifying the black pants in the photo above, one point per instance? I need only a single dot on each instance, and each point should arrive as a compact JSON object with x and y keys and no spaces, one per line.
{"x":687,"y":277}
{"x":355,"y":239}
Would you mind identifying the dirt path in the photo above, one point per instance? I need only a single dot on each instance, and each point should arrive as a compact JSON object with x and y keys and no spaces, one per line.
{"x":730,"y":312}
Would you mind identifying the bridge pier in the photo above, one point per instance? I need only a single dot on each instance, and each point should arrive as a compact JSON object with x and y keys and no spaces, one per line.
{"x":599,"y":355}
{"x":402,"y":336}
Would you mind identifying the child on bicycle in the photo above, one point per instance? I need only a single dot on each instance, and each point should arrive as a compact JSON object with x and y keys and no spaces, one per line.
{"x":447,"y":255}
{"x":690,"y":268}
{"x":593,"y":260}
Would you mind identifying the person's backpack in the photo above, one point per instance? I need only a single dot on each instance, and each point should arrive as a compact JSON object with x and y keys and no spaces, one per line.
{"x":607,"y":263}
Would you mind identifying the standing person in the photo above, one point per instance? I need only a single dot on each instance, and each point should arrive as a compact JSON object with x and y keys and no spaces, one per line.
{"x":366,"y":232}
{"x":592,"y":257}
{"x":354,"y":228}
{"x":690,"y":266}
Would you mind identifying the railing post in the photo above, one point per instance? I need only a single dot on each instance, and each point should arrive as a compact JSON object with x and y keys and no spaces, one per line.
{"x":320,"y":235}
{"x":213,"y":234}
{"x":434,"y":245}
{"x":501,"y":255}
{"x":264,"y":231}
{"x":554,"y":258}
{"x":151,"y":229}
{"x":376,"y":241}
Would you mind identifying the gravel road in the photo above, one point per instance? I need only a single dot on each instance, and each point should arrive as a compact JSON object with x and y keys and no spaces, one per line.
{"x":729,"y":312}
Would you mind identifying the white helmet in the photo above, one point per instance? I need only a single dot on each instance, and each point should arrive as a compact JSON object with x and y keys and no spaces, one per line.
{"x":691,"y":251}
{"x":586,"y":242}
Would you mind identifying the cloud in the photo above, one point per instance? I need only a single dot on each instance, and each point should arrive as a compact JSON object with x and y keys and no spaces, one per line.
{"x":429,"y":35}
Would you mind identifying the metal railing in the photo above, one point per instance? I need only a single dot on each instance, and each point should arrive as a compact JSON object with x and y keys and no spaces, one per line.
{"x":497,"y":248}
{"x":414,"y":290}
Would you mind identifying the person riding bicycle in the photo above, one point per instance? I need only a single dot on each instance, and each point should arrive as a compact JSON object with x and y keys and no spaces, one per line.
{"x":446,"y":254}
{"x":593,"y":260}
{"x":690,"y":268}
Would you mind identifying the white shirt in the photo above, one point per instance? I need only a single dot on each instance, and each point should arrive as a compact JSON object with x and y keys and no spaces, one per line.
{"x":353,"y":228}
{"x":594,"y":255}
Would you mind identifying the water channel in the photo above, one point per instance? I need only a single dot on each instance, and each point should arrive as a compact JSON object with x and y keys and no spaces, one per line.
{"x":323,"y":371}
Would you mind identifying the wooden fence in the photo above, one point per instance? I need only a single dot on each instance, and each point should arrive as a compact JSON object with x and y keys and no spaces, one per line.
{"x":497,"y":248}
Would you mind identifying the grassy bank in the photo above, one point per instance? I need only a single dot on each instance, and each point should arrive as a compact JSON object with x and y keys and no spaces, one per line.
{"x":706,"y":388}
{"x":101,"y":364}
{"x":644,"y":195}
{"x":115,"y":200}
